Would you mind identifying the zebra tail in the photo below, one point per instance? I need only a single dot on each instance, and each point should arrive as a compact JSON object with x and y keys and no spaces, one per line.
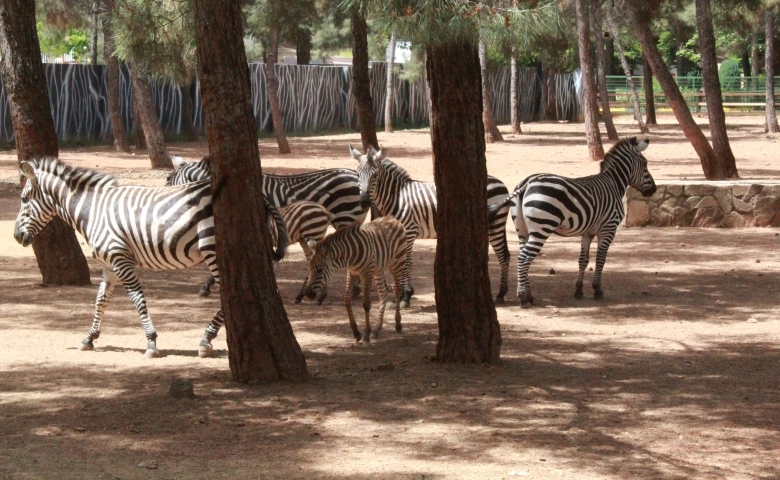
{"x":283,"y":239}
{"x":494,"y":208}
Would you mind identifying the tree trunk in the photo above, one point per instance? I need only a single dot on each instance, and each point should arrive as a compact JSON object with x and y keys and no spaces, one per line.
{"x":514,"y":102}
{"x":679,"y":44}
{"x":549,"y":96}
{"x":361,"y":82}
{"x":771,"y":116}
{"x":56,"y":248}
{"x":589,"y":106}
{"x":754,"y":60}
{"x":492,"y":134}
{"x":712,"y":91}
{"x":270,"y":86}
{"x":468,"y":327}
{"x":138,"y":125}
{"x":261,"y":343}
{"x":187,"y":121}
{"x":648,"y":87}
{"x":303,"y":45}
{"x":609,"y":45}
{"x":602,"y":66}
{"x":389,"y":87}
{"x":744,"y":62}
{"x":627,"y":71}
{"x":155,"y":141}
{"x":118,"y":128}
{"x":95,"y":27}
{"x":693,"y":133}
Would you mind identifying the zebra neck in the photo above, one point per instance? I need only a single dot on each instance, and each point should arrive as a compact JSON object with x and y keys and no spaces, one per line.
{"x":73,"y":206}
{"x":387,"y":189}
{"x":618,"y":178}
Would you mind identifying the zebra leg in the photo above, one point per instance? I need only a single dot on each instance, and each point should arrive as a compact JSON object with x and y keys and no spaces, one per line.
{"x":397,"y":294}
{"x":498,"y":241}
{"x":367,"y":285}
{"x":307,"y":252}
{"x":348,"y":304}
{"x":205,"y":289}
{"x":210,"y":258}
{"x":524,"y":259}
{"x":584,"y":259}
{"x":205,"y":347}
{"x":105,"y":290}
{"x":605,"y":240}
{"x":406,"y":283}
{"x":381,"y":288}
{"x":126,"y":273}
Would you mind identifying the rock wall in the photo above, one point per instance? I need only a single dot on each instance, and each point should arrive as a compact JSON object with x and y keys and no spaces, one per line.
{"x":705,"y":204}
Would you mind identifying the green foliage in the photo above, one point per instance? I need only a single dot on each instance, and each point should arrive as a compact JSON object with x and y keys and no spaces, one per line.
{"x":690,"y":50}
{"x":57,"y":42}
{"x":729,"y":75}
{"x":331,"y":35}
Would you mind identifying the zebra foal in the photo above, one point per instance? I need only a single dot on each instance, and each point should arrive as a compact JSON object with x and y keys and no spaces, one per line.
{"x":589,"y":207}
{"x":366,"y":251}
{"x":127,"y":227}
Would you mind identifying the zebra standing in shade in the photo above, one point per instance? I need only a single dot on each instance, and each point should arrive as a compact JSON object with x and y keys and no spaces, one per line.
{"x":336,"y":189}
{"x":127,"y":227}
{"x":366,"y":251}
{"x":589,"y":206}
{"x":413,"y":203}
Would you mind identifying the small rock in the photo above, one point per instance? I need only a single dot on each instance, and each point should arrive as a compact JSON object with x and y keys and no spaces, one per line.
{"x":80,"y":429}
{"x":552,"y":271}
{"x":385,"y":367}
{"x":752,"y":320}
{"x":758,"y":261}
{"x":590,"y":269}
{"x":181,"y":388}
{"x":151,"y":464}
{"x":433,"y":384}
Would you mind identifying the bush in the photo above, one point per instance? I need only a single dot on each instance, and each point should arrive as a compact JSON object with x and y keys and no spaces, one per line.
{"x":729,"y":75}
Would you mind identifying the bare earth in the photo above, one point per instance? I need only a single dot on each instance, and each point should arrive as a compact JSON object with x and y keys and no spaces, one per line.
{"x":674,"y":375}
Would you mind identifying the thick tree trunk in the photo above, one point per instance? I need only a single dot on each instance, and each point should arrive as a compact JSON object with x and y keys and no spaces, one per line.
{"x":187,"y":121}
{"x":679,"y":45}
{"x":261,"y":344}
{"x":95,"y":27}
{"x":598,"y":33}
{"x":709,"y":161}
{"x":549,"y":96}
{"x":468,"y":327}
{"x":492,"y":134}
{"x":270,"y":86}
{"x":303,"y":45}
{"x":118,"y":128}
{"x":389,"y":87}
{"x":589,"y":106}
{"x":769,"y":31}
{"x":648,"y":87}
{"x":627,"y":71}
{"x":712,"y":91}
{"x":138,"y":125}
{"x":361,"y":82}
{"x":609,"y":45}
{"x":56,"y":248}
{"x":514,"y":102}
{"x":155,"y":141}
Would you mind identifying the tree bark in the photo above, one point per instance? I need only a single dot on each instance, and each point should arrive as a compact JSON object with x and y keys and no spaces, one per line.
{"x":361,"y":82}
{"x":755,"y":66}
{"x":389,"y":87}
{"x":648,"y":87}
{"x":187,"y":121}
{"x":679,"y":44}
{"x":514,"y":102}
{"x":549,"y":96}
{"x":468,"y":327}
{"x":270,"y":86}
{"x":693,"y":133}
{"x":589,"y":106}
{"x":303,"y":45}
{"x":627,"y":71}
{"x":138,"y":125}
{"x":598,"y":33}
{"x":155,"y":141}
{"x":56,"y":248}
{"x":95,"y":27}
{"x":713,"y":95}
{"x":609,"y":45}
{"x":261,"y":344}
{"x":769,"y":31}
{"x":492,"y":134}
{"x":118,"y":128}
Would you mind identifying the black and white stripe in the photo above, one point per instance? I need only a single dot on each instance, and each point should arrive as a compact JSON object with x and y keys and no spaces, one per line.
{"x":366,"y":250}
{"x":413,"y":203}
{"x":127,"y":227}
{"x":588,"y":207}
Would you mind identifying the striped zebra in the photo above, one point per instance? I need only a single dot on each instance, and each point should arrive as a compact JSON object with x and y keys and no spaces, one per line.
{"x":588,"y":206}
{"x":366,"y":250}
{"x":127,"y":227}
{"x":413,"y":203}
{"x":336,"y":189}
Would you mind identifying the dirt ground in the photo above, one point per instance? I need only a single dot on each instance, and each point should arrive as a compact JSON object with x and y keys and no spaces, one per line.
{"x":674,"y":375}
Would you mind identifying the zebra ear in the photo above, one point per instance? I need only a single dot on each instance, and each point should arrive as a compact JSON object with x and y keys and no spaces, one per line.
{"x":28,"y":171}
{"x":177,"y":161}
{"x":312,"y":243}
{"x":381,"y":155}
{"x":642,"y":146}
{"x":355,"y":153}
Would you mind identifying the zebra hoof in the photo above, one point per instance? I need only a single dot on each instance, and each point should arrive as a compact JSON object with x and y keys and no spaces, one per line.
{"x":404,"y":304}
{"x":86,"y":345}
{"x":205,"y":348}
{"x":204,"y":292}
{"x":374,"y":335}
{"x":298,"y":299}
{"x":367,"y":337}
{"x":598,"y":295}
{"x":398,"y":329}
{"x":152,"y":353}
{"x":526,"y":301}
{"x":499,"y":299}
{"x":578,"y":293}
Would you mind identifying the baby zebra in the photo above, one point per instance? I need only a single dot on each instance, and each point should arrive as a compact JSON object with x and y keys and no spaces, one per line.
{"x":366,"y":251}
{"x":588,"y":207}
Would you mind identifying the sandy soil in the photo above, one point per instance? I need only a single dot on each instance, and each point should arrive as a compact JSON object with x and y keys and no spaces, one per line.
{"x":674,"y":375}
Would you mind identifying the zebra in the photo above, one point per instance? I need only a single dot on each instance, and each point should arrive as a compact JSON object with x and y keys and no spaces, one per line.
{"x":336,"y":189}
{"x":413,"y":203}
{"x":366,"y":250}
{"x":588,"y":206}
{"x":127,"y":227}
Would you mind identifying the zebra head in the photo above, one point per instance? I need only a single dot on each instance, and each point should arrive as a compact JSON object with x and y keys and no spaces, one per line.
{"x":320,"y":268}
{"x":188,"y":172}
{"x":627,"y":159}
{"x":37,"y":208}
{"x":368,"y":166}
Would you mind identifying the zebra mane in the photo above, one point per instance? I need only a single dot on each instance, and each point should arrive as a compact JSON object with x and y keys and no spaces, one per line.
{"x":613,"y":156}
{"x":395,"y":170}
{"x":74,"y":176}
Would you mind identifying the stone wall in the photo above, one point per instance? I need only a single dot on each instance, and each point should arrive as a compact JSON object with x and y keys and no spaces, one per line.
{"x":730,"y":204}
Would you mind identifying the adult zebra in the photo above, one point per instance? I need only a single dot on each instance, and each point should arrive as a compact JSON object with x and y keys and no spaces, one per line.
{"x":336,"y":189}
{"x":413,"y":203}
{"x":589,"y":206}
{"x":127,"y":227}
